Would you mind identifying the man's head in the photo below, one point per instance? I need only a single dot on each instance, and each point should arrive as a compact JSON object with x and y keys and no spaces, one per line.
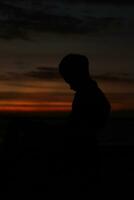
{"x":74,"y":68}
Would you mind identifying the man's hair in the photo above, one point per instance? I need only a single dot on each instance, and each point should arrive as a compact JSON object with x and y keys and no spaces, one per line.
{"x":74,"y":66}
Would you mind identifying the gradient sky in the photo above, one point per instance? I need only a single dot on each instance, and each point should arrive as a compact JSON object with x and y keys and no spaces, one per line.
{"x":34,"y":37}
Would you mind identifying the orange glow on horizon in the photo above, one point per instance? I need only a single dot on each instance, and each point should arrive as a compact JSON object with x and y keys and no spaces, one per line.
{"x":33,"y":109}
{"x":46,"y":106}
{"x":34,"y":103}
{"x":30,"y":106}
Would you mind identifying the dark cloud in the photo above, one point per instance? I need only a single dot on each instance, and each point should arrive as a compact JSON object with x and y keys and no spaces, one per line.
{"x":34,"y":96}
{"x":12,"y":19}
{"x":99,"y":25}
{"x":44,"y":73}
{"x":11,"y":95}
{"x":17,"y":18}
{"x":73,"y":1}
{"x":15,"y":76}
{"x":22,"y":95}
{"x":4,"y":77}
{"x":16,"y":21}
{"x":39,"y":73}
{"x":52,"y":74}
{"x":115,"y":77}
{"x":99,"y":1}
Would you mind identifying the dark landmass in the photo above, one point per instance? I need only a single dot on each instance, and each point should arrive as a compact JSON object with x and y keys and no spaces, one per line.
{"x":33,"y":154}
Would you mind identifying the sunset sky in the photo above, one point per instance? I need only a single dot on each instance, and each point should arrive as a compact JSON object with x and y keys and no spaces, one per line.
{"x":36,"y":35}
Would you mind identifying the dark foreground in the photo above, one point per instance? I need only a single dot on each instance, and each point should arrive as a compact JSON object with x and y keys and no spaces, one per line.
{"x":36,"y":156}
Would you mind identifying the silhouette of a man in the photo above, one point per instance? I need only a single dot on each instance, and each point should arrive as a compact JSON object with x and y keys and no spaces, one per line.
{"x":90,"y":110}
